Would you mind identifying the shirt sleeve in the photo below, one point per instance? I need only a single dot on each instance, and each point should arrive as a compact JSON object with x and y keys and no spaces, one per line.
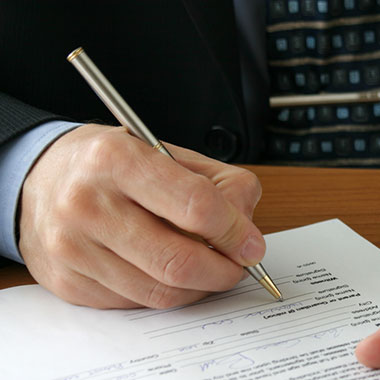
{"x":16,"y":159}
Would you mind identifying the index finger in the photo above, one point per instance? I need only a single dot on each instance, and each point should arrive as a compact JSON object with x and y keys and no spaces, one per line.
{"x":240,"y":186}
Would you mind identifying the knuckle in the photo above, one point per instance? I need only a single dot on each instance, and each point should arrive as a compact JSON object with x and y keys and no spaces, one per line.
{"x":177,"y":265}
{"x":162,"y":296}
{"x":202,"y":199}
{"x":77,"y":199}
{"x":250,"y":182}
{"x":101,"y":150}
{"x":249,"y":187}
{"x":110,"y":156}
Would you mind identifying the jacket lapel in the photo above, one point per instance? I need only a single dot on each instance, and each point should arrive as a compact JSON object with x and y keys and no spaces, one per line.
{"x":215,"y":22}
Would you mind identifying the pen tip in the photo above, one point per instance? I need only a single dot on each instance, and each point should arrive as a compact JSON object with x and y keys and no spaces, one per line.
{"x":268,"y":284}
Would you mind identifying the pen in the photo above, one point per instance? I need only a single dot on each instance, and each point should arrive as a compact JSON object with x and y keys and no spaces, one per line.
{"x":128,"y":118}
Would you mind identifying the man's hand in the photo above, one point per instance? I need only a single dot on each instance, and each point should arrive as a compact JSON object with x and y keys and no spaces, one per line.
{"x":94,"y":228}
{"x":368,"y":351}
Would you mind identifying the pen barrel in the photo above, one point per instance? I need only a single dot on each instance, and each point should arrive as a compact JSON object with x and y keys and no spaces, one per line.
{"x":257,"y":272}
{"x":112,"y":99}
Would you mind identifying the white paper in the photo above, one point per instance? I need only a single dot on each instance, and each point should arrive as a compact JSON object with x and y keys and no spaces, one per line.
{"x":327,"y":273}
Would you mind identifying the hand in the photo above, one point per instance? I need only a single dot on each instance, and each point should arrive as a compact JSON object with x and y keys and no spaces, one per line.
{"x":368,"y":351}
{"x":94,"y":231}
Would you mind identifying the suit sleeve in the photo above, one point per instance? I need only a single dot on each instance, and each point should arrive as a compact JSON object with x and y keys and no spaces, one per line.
{"x":17,"y":117}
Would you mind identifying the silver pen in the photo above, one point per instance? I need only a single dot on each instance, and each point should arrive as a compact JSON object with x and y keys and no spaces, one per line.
{"x":127,"y":117}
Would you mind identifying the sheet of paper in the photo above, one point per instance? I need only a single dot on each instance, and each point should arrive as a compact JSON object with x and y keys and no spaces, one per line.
{"x":328,"y":274}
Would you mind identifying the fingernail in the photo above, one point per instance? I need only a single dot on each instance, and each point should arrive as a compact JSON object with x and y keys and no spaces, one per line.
{"x":253,"y":251}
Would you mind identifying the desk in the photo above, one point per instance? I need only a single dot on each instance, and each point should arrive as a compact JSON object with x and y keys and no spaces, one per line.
{"x":293,"y":197}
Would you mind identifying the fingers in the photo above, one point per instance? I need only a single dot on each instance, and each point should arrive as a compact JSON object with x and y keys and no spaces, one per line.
{"x":368,"y":351}
{"x":150,"y":244}
{"x":78,"y":289}
{"x":239,"y":186}
{"x":191,"y":202}
{"x":123,"y":283}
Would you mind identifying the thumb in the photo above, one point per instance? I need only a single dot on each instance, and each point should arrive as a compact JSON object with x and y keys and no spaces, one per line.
{"x":368,"y":351}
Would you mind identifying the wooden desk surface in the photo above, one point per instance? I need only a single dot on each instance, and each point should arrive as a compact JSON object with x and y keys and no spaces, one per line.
{"x":293,"y":197}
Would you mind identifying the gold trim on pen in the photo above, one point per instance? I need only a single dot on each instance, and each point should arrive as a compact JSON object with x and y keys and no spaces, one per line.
{"x":268,"y":284}
{"x":158,"y":146}
{"x":74,"y":54}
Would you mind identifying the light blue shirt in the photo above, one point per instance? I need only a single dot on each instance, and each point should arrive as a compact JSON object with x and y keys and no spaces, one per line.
{"x":16,"y":159}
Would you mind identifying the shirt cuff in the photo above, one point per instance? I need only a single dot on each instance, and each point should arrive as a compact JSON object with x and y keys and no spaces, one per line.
{"x":16,"y":159}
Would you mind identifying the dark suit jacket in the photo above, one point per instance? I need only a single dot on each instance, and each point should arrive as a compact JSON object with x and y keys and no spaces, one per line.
{"x":176,"y":63}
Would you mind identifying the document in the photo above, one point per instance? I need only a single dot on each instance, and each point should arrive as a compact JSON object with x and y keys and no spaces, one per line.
{"x":330,"y":279}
